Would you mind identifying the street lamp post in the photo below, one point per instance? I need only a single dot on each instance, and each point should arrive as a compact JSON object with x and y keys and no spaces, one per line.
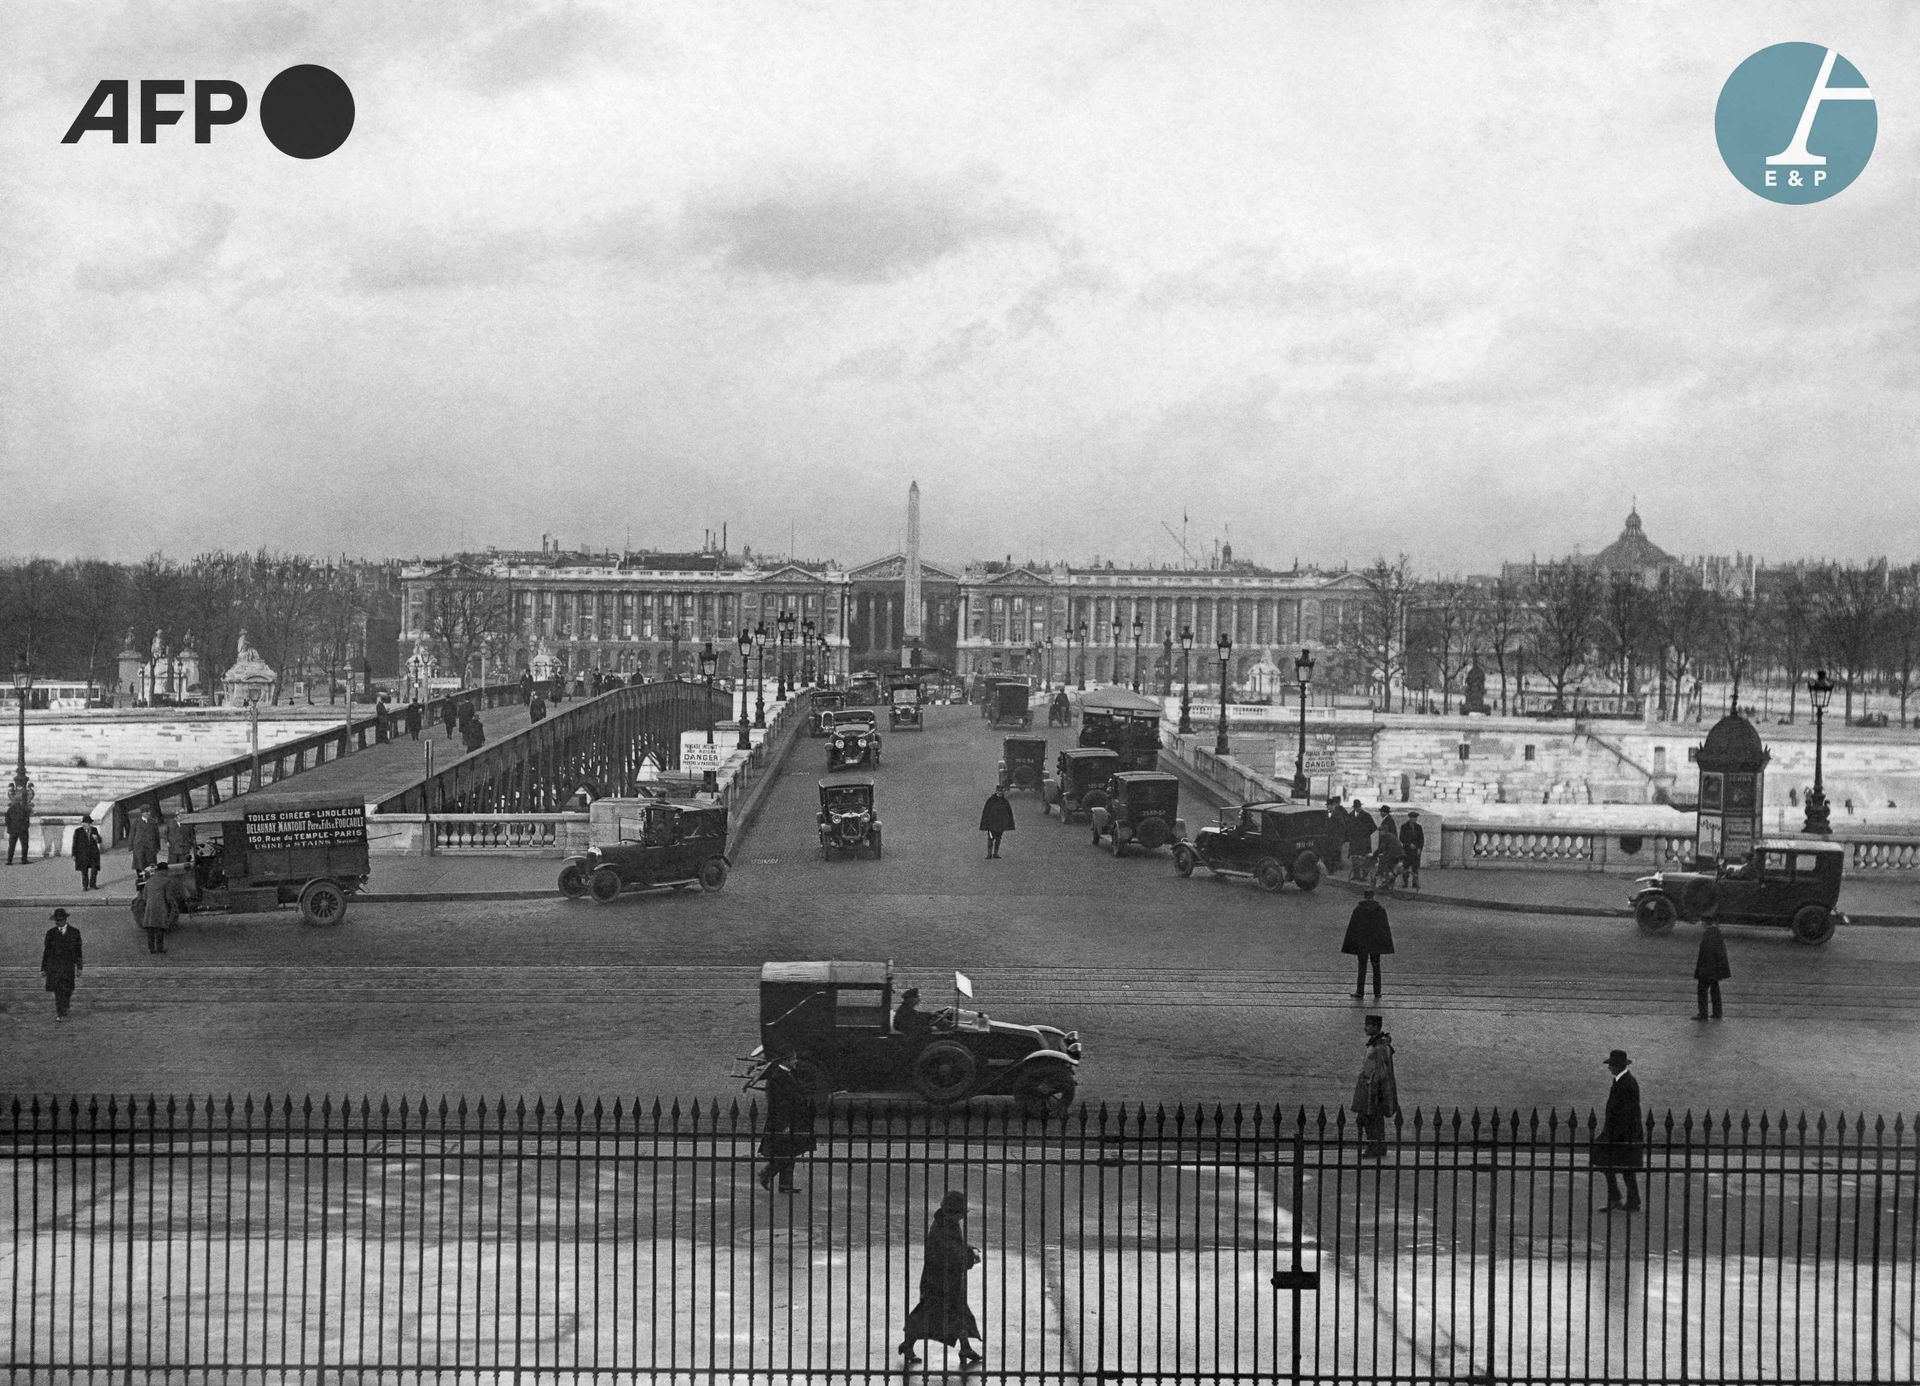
{"x":1083,"y":657}
{"x":745,"y":743}
{"x":1303,"y":674}
{"x":1138,"y":627}
{"x":1186,"y":680}
{"x":760,"y":677}
{"x":806,"y":652}
{"x":22,"y":788}
{"x":1226,"y":653}
{"x":783,"y":626}
{"x":822,"y":663}
{"x":1113,"y":667}
{"x":1052,"y":641}
{"x":1166,"y":665}
{"x":1819,"y":812}
{"x":709,"y":661}
{"x":673,"y":632}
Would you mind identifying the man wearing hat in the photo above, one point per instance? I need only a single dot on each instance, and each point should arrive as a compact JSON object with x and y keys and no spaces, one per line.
{"x":1376,"y":1096}
{"x":1617,"y":1149}
{"x":908,"y":1018}
{"x":159,"y":907}
{"x":60,"y":961}
{"x":943,"y":1313}
{"x":1368,"y":936}
{"x":1413,"y":841}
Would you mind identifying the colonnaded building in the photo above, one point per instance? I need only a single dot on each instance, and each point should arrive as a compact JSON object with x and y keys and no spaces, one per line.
{"x":652,"y":613}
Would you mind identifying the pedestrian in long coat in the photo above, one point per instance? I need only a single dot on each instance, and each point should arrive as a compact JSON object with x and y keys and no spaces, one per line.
{"x":1368,"y":937}
{"x":536,"y":709}
{"x":789,"y":1131}
{"x":86,"y":855}
{"x":382,"y":721}
{"x":159,"y":907}
{"x":144,"y":838}
{"x":1360,"y":828}
{"x":60,"y":962}
{"x":449,"y":717}
{"x":1376,"y":1094}
{"x":19,"y":820}
{"x":1617,"y":1149}
{"x":1710,"y":969}
{"x":996,"y":819}
{"x":1387,"y":857}
{"x":526,"y":686}
{"x":942,"y":1313}
{"x":472,"y":734}
{"x":1413,"y":841}
{"x":179,"y":841}
{"x":1336,"y":832}
{"x":415,"y":713}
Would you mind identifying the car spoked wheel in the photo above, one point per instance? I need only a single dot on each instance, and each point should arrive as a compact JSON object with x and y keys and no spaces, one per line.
{"x":573,"y":881}
{"x":944,"y":1071}
{"x":1184,"y":860}
{"x":323,"y":903}
{"x":713,"y":873}
{"x":1044,"y":1092}
{"x":1269,"y":874}
{"x":1654,"y":914}
{"x":605,"y":884}
{"x":1812,"y":924}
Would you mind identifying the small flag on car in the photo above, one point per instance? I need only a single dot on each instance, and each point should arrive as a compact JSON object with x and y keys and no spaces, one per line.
{"x":963,"y":984}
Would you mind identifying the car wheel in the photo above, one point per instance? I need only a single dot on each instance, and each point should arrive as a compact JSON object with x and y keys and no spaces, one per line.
{"x":1698,"y":900}
{"x":605,"y":884}
{"x":1184,"y":860}
{"x":813,"y":1076}
{"x":1306,"y":871}
{"x":1155,"y":834}
{"x":1812,"y":924}
{"x":1269,"y":874}
{"x":945,"y":1071}
{"x":713,"y":873}
{"x":1023,"y":777}
{"x":573,"y":880}
{"x":1654,"y":914}
{"x":323,"y":903}
{"x":1044,"y":1091}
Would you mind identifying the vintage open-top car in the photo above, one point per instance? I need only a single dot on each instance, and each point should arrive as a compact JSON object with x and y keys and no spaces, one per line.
{"x":1079,"y":783}
{"x":1023,"y":762}
{"x":1793,"y":882}
{"x":820,"y":714}
{"x":903,"y":704}
{"x":1142,"y":810}
{"x":1010,"y":704}
{"x":853,"y":740}
{"x":1124,"y":722}
{"x":644,"y":844}
{"x":1269,"y":844}
{"x":847,"y":819}
{"x":839,"y":1021}
{"x":245,"y":857}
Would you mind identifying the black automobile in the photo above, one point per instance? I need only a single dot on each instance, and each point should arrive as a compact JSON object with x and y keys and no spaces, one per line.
{"x":826,"y":703}
{"x":1010,"y":704}
{"x":1142,"y":810}
{"x":903,"y":705}
{"x":840,"y":1021}
{"x":1023,"y":762}
{"x":1123,"y":722}
{"x":1079,"y":783}
{"x":1787,"y":882}
{"x":853,"y":740}
{"x":863,"y":689}
{"x":847,"y":820}
{"x":648,"y":844}
{"x":1269,"y":844}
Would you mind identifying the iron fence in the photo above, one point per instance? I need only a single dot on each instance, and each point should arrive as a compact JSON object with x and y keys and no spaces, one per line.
{"x":364,"y":1242}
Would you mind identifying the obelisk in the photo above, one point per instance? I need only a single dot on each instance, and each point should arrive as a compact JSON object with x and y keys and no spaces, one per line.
{"x":910,"y":624}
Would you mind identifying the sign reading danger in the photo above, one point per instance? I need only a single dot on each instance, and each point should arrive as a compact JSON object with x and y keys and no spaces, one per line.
{"x":342,"y":826}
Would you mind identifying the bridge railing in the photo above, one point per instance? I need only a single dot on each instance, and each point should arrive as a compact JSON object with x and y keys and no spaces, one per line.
{"x":213,"y":783}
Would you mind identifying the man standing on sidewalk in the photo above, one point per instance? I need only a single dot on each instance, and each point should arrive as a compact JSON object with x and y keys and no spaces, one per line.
{"x":1622,"y":1133}
{"x":1376,"y":1095}
{"x":1710,"y":969}
{"x":1413,"y":841}
{"x":60,"y":962}
{"x":1368,"y":936}
{"x":19,"y":819}
{"x":1360,"y":827}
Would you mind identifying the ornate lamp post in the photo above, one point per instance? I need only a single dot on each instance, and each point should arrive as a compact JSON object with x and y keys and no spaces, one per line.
{"x":1083,"y":656}
{"x":1139,"y":626}
{"x":1303,"y":674}
{"x":1052,"y":641}
{"x":760,"y":679}
{"x":806,"y":652}
{"x":1226,"y":653}
{"x":1186,"y":680}
{"x":22,"y":788}
{"x":783,"y":626}
{"x":1819,"y":812}
{"x":673,"y":633}
{"x":1113,"y":668}
{"x":823,"y":661}
{"x":745,"y":743}
{"x":1166,"y":665}
{"x":709,"y":661}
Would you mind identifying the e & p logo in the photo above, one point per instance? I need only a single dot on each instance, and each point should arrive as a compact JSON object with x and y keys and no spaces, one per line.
{"x":1796,"y":122}
{"x":306,"y":111}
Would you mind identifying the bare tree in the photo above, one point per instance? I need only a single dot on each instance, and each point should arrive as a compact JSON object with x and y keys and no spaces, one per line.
{"x":1739,"y":626}
{"x":1682,"y":628}
{"x":1567,"y":606}
{"x":1900,"y":634}
{"x":96,"y":600}
{"x":1376,"y":636}
{"x":1625,"y":617}
{"x":461,"y":607}
{"x":1443,"y":630}
{"x":1849,"y":603}
{"x":30,"y":611}
{"x":1503,"y":618}
{"x":1789,"y":632}
{"x":285,"y":600}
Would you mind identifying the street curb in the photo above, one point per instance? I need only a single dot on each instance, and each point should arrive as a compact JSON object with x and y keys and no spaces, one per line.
{"x":1867,"y":921}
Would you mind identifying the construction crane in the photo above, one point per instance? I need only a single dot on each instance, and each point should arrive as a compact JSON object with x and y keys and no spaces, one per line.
{"x":1181,"y":542}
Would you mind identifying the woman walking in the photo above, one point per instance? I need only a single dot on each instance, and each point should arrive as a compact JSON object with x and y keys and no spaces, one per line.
{"x":942,"y":1313}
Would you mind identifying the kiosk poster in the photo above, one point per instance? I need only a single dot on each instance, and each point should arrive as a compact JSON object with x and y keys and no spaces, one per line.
{"x":342,"y":825}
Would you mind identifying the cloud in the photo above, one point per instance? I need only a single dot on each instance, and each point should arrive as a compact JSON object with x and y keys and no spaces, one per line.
{"x":549,"y":47}
{"x":426,"y":261}
{"x":189,"y":259}
{"x":846,"y":228}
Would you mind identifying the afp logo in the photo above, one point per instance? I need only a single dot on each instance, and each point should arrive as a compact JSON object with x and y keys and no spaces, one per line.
{"x":306,"y":111}
{"x":1796,"y":123}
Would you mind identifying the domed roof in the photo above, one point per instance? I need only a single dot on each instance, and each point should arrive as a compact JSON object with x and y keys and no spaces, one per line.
{"x":1734,"y":745}
{"x":1633,"y":550}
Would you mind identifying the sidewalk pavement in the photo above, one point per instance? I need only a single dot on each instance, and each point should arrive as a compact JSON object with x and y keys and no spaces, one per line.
{"x":50,"y":881}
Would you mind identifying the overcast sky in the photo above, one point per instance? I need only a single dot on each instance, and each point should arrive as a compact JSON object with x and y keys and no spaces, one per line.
{"x":1337,"y":279}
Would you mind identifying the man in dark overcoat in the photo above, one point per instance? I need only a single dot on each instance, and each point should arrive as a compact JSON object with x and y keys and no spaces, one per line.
{"x":143,"y":837}
{"x":1386,"y":861}
{"x":1617,"y":1149}
{"x":536,"y":709}
{"x":1376,"y":1093}
{"x":996,"y":819}
{"x":382,"y":721}
{"x":942,"y":1313}
{"x":159,"y":907}
{"x":1368,"y":936}
{"x":19,"y":820}
{"x":449,"y":716}
{"x":1413,"y":841}
{"x":472,"y":734}
{"x":1360,"y":830}
{"x":1710,"y":969}
{"x":789,"y":1129}
{"x":86,"y":854}
{"x":526,"y":686}
{"x":415,"y":714}
{"x":60,"y":962}
{"x":1336,"y":840}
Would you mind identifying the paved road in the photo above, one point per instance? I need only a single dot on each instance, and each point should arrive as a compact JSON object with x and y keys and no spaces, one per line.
{"x":1184,"y":990}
